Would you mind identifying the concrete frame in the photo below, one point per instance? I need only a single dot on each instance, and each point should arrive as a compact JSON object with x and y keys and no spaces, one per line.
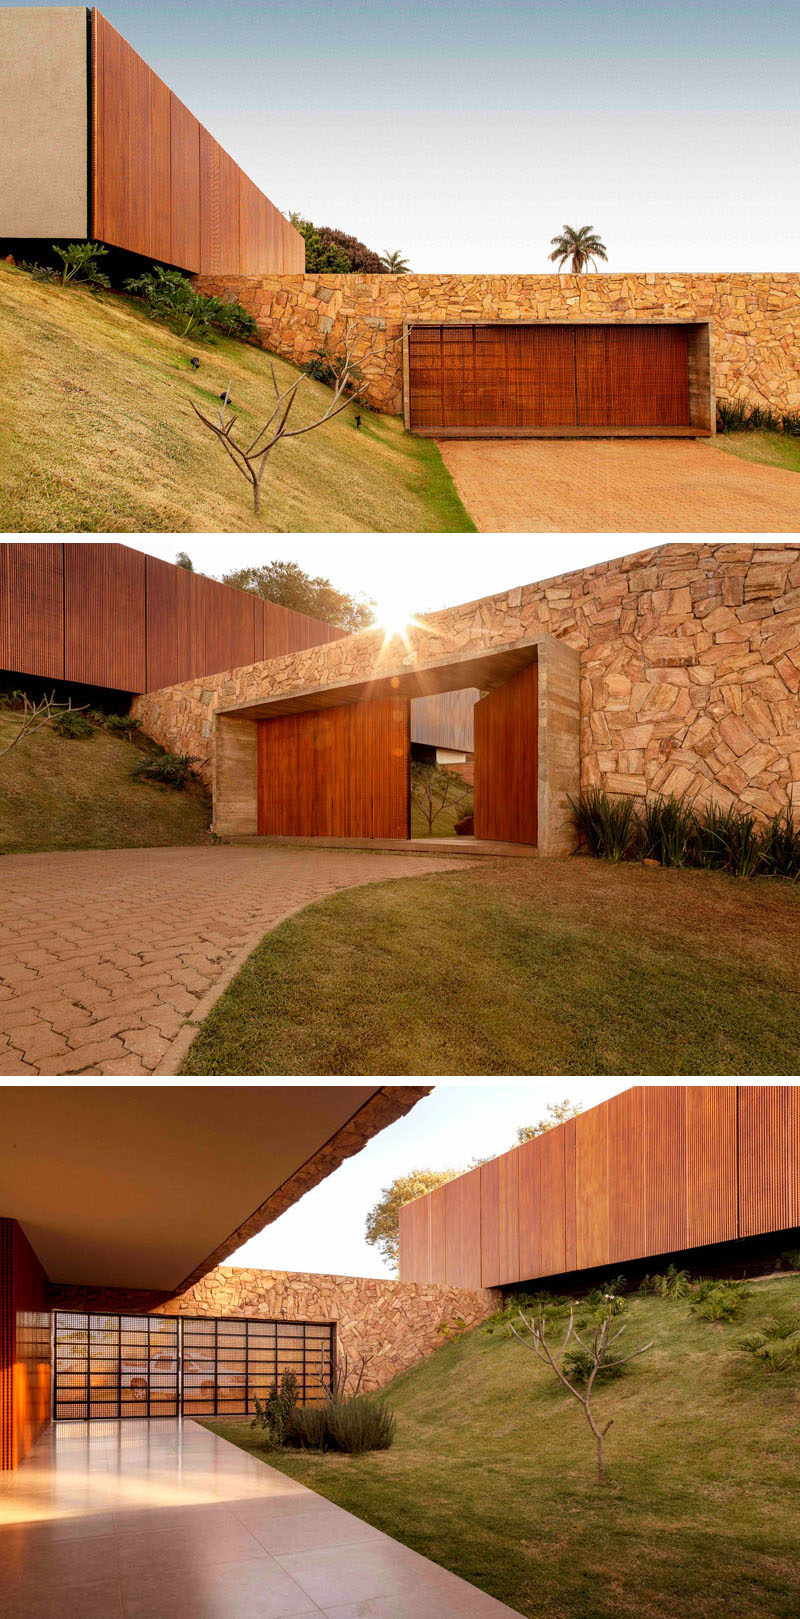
{"x":235,"y":772}
{"x":702,"y":397}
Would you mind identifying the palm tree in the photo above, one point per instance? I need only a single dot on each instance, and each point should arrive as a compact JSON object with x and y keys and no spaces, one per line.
{"x":581,"y":246}
{"x":395,"y":263}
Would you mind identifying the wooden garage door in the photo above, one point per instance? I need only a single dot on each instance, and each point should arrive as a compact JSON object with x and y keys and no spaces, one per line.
{"x":507,"y":760}
{"x":530,"y":379}
{"x":336,"y":772}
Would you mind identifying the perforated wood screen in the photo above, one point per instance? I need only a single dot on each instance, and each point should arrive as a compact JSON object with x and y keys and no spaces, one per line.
{"x":548,"y":378}
{"x":108,"y":1366}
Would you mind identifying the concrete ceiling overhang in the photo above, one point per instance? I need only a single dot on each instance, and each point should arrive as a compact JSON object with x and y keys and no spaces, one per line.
{"x":150,"y":1187}
{"x":402,"y":672}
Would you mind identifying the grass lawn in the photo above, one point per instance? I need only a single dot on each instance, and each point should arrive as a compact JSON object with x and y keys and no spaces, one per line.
{"x":492,"y":1474}
{"x":769,"y":449}
{"x":102,"y":438}
{"x":522,"y":967}
{"x":60,"y":794}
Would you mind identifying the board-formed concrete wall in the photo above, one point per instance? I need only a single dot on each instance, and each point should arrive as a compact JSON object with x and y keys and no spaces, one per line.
{"x":44,"y":122}
{"x":689,"y":670}
{"x":755,"y":337}
{"x":390,"y":1324}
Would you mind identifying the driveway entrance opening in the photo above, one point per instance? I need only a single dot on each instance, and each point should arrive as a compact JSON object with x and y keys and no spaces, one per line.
{"x":572,"y":379}
{"x":107,"y":1366}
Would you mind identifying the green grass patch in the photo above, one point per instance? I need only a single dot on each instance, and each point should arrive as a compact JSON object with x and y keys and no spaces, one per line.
{"x":522,"y":967}
{"x":768,"y":449}
{"x":102,"y":438}
{"x":492,"y":1473}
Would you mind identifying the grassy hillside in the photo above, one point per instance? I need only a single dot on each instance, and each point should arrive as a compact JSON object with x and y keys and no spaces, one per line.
{"x":492,"y":1473}
{"x":102,"y":438}
{"x":768,"y":449}
{"x":61,"y":794}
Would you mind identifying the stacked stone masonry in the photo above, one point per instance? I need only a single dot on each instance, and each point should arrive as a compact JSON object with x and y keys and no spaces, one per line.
{"x":690,"y":670}
{"x":755,"y":334}
{"x":388,"y":1325}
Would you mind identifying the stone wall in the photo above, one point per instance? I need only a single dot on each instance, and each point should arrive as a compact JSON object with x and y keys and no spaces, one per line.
{"x":756,"y":318}
{"x":689,"y":664}
{"x":392,"y":1323}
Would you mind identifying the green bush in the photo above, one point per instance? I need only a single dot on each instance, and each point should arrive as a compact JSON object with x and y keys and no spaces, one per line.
{"x":170,"y":768}
{"x":40,"y":272}
{"x":80,"y":263}
{"x":121,"y":725}
{"x":359,"y":1422}
{"x":171,"y":298}
{"x":776,"y":1342}
{"x":275,"y":1415}
{"x":309,"y":1427}
{"x":69,"y":723}
{"x":716,"y":1300}
{"x":791,"y":1258}
{"x":671,"y":830}
{"x":669,"y":1284}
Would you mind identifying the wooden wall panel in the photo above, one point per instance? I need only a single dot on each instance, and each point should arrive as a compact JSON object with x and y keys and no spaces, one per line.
{"x":506,"y":760}
{"x":570,"y":1205}
{"x":335,"y":772}
{"x":530,"y":1208}
{"x":164,"y":188}
{"x":415,"y":1241}
{"x":104,"y":615}
{"x":769,"y":1158}
{"x":491,"y":1253}
{"x":463,"y":1229}
{"x":666,"y":1222}
{"x":627,"y":1171}
{"x":438,"y":1227}
{"x":712,"y":1190}
{"x":169,"y":626}
{"x":32,"y":609}
{"x":6,"y":1344}
{"x":24,"y":1346}
{"x":591,"y":1187}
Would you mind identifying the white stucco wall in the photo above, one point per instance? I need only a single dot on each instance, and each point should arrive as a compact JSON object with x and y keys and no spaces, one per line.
{"x":43,"y":122}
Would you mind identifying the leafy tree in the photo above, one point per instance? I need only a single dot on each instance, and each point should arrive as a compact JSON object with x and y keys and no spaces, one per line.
{"x":556,"y":1113}
{"x":382,"y":1230}
{"x":334,"y":251}
{"x":582,"y":247}
{"x":395,"y":263}
{"x":287,"y":584}
{"x":183,"y":560}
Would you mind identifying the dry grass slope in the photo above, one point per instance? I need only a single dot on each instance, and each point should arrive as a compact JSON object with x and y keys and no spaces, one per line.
{"x":101,"y":438}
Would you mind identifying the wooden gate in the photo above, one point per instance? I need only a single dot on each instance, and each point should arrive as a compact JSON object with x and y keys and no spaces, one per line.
{"x":507,"y":760}
{"x":336,"y":772}
{"x":517,"y":379}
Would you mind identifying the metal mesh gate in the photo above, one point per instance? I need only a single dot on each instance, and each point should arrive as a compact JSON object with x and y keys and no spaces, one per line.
{"x":108,"y":1366}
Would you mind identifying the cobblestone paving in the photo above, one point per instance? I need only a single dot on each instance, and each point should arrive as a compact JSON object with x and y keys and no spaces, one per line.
{"x":105,"y":955}
{"x":608,"y":486}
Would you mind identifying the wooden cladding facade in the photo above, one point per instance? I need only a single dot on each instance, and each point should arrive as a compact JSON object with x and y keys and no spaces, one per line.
{"x":163,"y":187}
{"x":506,"y":760}
{"x":468,"y":380}
{"x":103,"y":614}
{"x":24,"y":1346}
{"x":658,"y":1169}
{"x":336,"y":772}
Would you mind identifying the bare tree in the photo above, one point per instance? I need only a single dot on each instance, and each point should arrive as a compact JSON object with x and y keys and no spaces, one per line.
{"x":35,"y":715}
{"x":434,"y":789}
{"x":251,"y":460}
{"x":597,"y":1355}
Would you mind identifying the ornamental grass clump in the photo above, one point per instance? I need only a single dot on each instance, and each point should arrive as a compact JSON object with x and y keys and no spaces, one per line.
{"x":608,"y":826}
{"x":673,"y":831}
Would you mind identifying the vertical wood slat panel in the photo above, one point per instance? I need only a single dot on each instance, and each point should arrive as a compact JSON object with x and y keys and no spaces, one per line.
{"x":666,"y":1169}
{"x":104,"y":614}
{"x":438,"y":1226}
{"x":463,"y":1229}
{"x":506,"y":760}
{"x":769,"y":1159}
{"x":591,"y":1187}
{"x":627,"y":1203}
{"x":542,"y":1205}
{"x":491,"y":1256}
{"x":7,"y":1344}
{"x":32,"y":609}
{"x":711,"y":1163}
{"x":164,"y":188}
{"x":335,"y":772}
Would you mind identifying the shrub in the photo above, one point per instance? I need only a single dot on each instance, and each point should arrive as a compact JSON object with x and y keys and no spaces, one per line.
{"x":327,"y":368}
{"x":577,"y":1365}
{"x":72,"y":724}
{"x":670,"y":1284}
{"x":776,"y":1343}
{"x":120,"y":724}
{"x":359,"y":1422}
{"x":737,"y":416}
{"x":780,"y":847}
{"x":171,"y":298}
{"x":309,"y":1427}
{"x":170,"y":768}
{"x":791,"y":1258}
{"x":276,"y":1415}
{"x":40,"y":272}
{"x":80,"y":263}
{"x":669,"y":830}
{"x":719,"y":1300}
{"x":608,"y":826}
{"x":234,"y":320}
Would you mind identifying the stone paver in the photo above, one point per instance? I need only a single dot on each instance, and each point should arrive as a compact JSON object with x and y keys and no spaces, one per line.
{"x":607,"y":486}
{"x":162,"y":1520}
{"x":105,"y":955}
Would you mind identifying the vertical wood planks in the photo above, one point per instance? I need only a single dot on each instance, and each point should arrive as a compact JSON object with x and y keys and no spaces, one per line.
{"x":666,"y":1219}
{"x":506,"y":725}
{"x":769,"y":1158}
{"x":591,"y":1187}
{"x":463,"y":1229}
{"x":712,"y":1189}
{"x":104,"y":615}
{"x":438,"y":1226}
{"x":335,"y":772}
{"x":32,"y":609}
{"x":627,"y":1200}
{"x":163,"y":187}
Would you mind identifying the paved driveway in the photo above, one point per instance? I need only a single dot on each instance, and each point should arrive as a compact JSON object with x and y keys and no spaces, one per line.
{"x":105,"y":955}
{"x":642,"y":486}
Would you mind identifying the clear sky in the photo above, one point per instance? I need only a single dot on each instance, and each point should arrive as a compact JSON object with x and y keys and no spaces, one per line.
{"x":458,"y":1122}
{"x":466,"y":132}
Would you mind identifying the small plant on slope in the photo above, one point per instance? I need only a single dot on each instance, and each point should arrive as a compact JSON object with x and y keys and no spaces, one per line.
{"x":170,"y":768}
{"x":776,"y":1343}
{"x":36,"y":714}
{"x":80,"y":263}
{"x":716,"y":1300}
{"x":669,"y":1284}
{"x":600,"y":1350}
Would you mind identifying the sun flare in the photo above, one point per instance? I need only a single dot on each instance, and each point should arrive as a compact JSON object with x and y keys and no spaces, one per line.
{"x":394,"y":616}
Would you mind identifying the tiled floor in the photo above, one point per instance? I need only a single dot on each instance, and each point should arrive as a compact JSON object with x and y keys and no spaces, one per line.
{"x":630,"y":486}
{"x":106,"y":955}
{"x":163,"y":1520}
